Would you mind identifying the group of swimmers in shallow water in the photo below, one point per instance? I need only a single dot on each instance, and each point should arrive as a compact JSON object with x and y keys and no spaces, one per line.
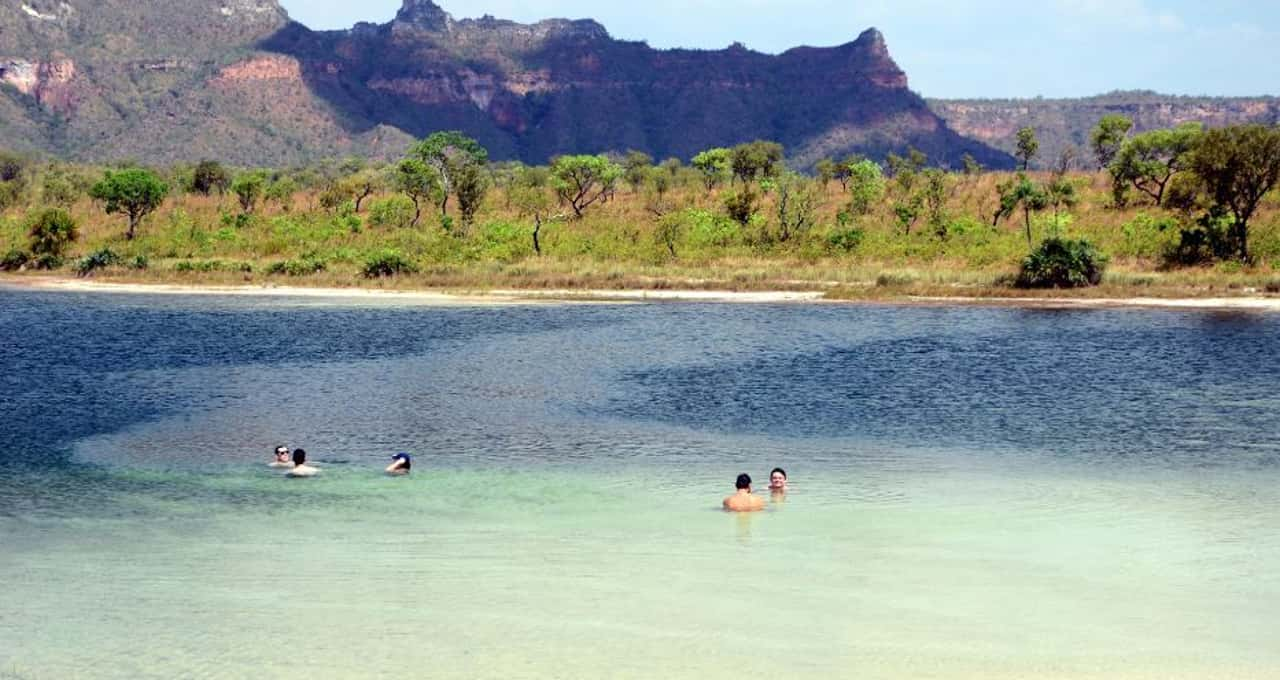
{"x":744,"y":500}
{"x":296,"y":462}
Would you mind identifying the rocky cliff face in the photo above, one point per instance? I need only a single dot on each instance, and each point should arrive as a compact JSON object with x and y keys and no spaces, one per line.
{"x":532,"y":91}
{"x":234,"y":79}
{"x":1060,"y":123}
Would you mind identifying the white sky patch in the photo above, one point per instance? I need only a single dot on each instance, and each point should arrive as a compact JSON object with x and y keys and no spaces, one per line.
{"x":1128,"y":14}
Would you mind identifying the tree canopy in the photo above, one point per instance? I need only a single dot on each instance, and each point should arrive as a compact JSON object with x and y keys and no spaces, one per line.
{"x":134,"y":192}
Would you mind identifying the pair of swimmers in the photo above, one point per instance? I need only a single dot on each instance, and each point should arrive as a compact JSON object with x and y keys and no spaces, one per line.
{"x":401,"y":463}
{"x":296,"y":462}
{"x":744,"y":500}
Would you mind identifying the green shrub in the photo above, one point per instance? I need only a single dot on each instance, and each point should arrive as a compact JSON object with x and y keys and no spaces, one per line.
{"x":139,"y":262}
{"x":205,"y":266}
{"x":99,"y":260}
{"x":300,"y":266}
{"x":14,"y":260}
{"x":896,"y":279}
{"x":387,"y":263}
{"x":393,"y":212}
{"x":47,"y":261}
{"x":845,"y":240}
{"x":1062,"y":263}
{"x":709,"y":229}
{"x":51,"y":231}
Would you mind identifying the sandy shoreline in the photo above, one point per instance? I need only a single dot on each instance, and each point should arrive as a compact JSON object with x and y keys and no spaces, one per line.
{"x":527,"y":297}
{"x":425,"y":297}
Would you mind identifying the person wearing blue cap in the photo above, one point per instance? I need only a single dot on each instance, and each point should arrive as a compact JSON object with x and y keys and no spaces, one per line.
{"x":401,"y":464}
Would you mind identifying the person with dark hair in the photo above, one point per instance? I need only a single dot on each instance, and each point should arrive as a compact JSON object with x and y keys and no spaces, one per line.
{"x":778,"y":480}
{"x":282,"y":458}
{"x":300,"y":467}
{"x":401,"y":465}
{"x":743,"y":500}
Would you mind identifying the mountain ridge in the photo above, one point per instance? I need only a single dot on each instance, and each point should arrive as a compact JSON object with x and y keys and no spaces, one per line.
{"x":238,"y":80}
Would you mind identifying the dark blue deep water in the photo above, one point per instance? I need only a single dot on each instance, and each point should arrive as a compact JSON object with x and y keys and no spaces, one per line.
{"x":1143,"y":387}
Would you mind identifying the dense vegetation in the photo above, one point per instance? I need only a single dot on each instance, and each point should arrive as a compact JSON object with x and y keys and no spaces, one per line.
{"x":1182,"y":207}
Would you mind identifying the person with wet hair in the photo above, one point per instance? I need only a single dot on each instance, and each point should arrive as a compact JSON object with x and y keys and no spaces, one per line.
{"x":401,"y":465}
{"x":282,"y":458}
{"x":300,"y":467}
{"x":778,"y":480}
{"x":743,"y":500}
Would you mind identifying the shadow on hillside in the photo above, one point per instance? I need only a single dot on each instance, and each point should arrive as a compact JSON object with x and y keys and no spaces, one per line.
{"x":617,"y":95}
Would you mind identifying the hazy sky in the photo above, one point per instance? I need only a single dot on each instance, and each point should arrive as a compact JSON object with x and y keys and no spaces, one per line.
{"x":949,"y":48}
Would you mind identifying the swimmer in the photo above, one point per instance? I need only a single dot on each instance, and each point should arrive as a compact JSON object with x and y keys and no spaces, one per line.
{"x":282,"y":458}
{"x":743,"y":500}
{"x":402,"y":464}
{"x":300,"y":467}
{"x":778,"y":480}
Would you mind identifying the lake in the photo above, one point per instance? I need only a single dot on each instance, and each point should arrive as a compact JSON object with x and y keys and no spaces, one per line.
{"x":976,"y":492}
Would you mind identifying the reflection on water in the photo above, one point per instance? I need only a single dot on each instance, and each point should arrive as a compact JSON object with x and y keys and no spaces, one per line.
{"x":976,"y":492}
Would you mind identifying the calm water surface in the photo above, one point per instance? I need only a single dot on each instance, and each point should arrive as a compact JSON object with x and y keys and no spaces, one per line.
{"x":978,"y":493}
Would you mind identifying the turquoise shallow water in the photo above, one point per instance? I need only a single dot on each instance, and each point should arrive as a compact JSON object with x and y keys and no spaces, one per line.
{"x":562,"y":519}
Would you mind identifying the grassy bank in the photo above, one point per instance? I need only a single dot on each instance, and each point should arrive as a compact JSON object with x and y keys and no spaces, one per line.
{"x":639,"y":240}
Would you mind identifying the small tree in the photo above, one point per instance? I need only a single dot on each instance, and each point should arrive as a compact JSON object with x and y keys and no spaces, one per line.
{"x":1238,"y":165}
{"x":714,"y":166}
{"x":1024,"y":193}
{"x":1108,"y":136}
{"x":797,"y":203}
{"x":446,"y":152}
{"x":249,"y":188}
{"x":208,"y":176}
{"x":51,"y":231}
{"x":60,"y":189}
{"x":972,"y":168}
{"x":532,"y":201}
{"x":470,"y":185}
{"x":826,"y":170}
{"x":1148,"y":161}
{"x":281,"y":190}
{"x":1028,"y":146}
{"x":741,"y":205}
{"x":635,"y":168}
{"x":583,"y":180}
{"x":936,"y":193}
{"x":758,"y":159}
{"x":866,"y":186}
{"x":133,"y":192}
{"x":13,"y":170}
{"x":415,"y":179}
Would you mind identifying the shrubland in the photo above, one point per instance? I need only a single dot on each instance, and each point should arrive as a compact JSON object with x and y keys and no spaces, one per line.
{"x":1182,"y":212}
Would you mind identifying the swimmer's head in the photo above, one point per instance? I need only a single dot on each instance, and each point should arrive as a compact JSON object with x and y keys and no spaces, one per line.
{"x":744,"y":482}
{"x":282,"y":453}
{"x":778,"y":479}
{"x":299,"y":456}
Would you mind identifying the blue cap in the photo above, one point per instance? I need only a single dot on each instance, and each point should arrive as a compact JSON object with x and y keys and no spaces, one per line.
{"x":401,"y":456}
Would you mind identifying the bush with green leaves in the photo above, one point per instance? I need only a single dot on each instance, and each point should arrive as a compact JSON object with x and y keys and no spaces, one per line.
{"x":387,"y":263}
{"x":845,"y":239}
{"x":51,"y":231}
{"x":1062,"y":263}
{"x":299,"y":266}
{"x":392,"y":212}
{"x":206,"y":266}
{"x":708,"y":229}
{"x":100,"y":259}
{"x":14,"y":260}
